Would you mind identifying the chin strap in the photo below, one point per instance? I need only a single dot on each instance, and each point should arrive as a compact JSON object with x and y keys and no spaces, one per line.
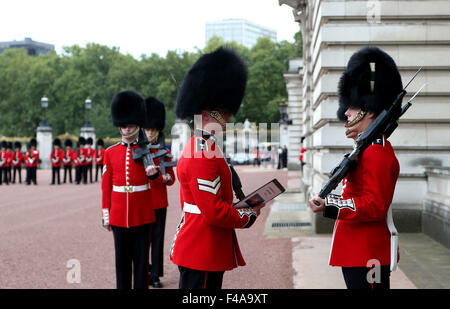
{"x":357,"y":119}
{"x":131,"y":134}
{"x":217,"y":116}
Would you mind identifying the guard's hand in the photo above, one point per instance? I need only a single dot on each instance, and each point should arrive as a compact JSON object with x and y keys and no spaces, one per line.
{"x":167,"y":178}
{"x":316,"y":199}
{"x":105,"y":219}
{"x":258,"y":208}
{"x":151,"y":170}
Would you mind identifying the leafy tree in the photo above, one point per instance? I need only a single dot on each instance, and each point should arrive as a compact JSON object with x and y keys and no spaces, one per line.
{"x":98,"y":72}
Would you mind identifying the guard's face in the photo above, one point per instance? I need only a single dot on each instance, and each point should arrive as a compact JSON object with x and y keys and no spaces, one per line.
{"x":128,"y":129}
{"x":351,"y":114}
{"x":152,"y":134}
{"x":357,"y":122}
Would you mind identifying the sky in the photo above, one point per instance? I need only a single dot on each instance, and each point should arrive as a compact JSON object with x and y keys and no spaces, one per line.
{"x":135,"y":26}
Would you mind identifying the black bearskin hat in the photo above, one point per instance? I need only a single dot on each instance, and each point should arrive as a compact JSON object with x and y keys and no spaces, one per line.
{"x":81,"y":140}
{"x":9,"y":145}
{"x":33,"y":142}
{"x":367,"y":86}
{"x":3,"y":144}
{"x":17,"y":144}
{"x":89,"y":141}
{"x":156,"y":114}
{"x":127,"y":107}
{"x":68,"y":142}
{"x":57,"y":142}
{"x":100,"y":142}
{"x":215,"y":82}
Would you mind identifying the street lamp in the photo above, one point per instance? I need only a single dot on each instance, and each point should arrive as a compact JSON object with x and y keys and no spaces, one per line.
{"x":284,"y":119}
{"x":44,"y":104}
{"x":88,"y":107}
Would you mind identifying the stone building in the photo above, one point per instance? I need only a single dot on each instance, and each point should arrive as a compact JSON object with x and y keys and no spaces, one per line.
{"x":416,"y":34}
{"x":33,"y":48}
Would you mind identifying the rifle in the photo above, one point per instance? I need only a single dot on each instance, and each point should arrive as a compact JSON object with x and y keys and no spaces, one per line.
{"x":142,"y":153}
{"x":163,"y":154}
{"x":385,"y":123}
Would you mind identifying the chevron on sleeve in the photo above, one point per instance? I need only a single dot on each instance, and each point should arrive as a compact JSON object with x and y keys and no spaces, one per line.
{"x":209,"y":186}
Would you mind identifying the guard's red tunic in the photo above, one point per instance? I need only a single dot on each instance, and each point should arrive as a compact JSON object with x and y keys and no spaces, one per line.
{"x":361,"y":232}
{"x":56,"y":157}
{"x":32,"y":158}
{"x":68,"y":157}
{"x":205,"y":239}
{"x":125,"y":188}
{"x":99,"y":155}
{"x":18,"y":158}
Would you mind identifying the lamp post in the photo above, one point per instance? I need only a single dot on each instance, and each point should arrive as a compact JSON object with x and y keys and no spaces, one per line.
{"x":284,"y":119}
{"x":44,"y":105}
{"x":88,"y":107}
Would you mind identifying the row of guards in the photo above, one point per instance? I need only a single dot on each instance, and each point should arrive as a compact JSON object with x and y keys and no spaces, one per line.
{"x":83,"y":159}
{"x":11,"y":162}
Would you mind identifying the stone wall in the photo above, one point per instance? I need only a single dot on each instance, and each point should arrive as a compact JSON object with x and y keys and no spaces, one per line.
{"x":416,"y":34}
{"x":436,"y":205}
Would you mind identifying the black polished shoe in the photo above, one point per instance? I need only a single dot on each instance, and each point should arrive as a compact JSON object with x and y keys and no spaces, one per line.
{"x":156,"y":284}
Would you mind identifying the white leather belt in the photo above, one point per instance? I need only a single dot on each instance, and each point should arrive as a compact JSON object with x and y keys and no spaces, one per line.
{"x":394,"y":239}
{"x":130,"y":189}
{"x":191,"y":208}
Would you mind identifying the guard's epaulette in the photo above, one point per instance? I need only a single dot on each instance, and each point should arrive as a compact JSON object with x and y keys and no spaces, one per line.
{"x":118,"y":143}
{"x":379,"y":141}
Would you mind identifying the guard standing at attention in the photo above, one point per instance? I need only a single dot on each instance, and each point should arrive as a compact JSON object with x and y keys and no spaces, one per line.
{"x":56,"y":157}
{"x":205,"y":244}
{"x":126,"y":196}
{"x":31,"y":162}
{"x":17,"y":161}
{"x":3,"y":163}
{"x":153,"y":127}
{"x":99,"y":155}
{"x":90,"y":158}
{"x":363,"y":227}
{"x":68,"y":160}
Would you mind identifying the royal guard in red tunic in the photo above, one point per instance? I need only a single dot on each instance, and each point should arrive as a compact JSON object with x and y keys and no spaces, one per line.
{"x":98,"y":157}
{"x":205,"y":244}
{"x":126,"y":196}
{"x":10,"y":155}
{"x":80,"y":165}
{"x":17,"y":162}
{"x":56,"y":158}
{"x":68,"y":160}
{"x":31,"y":162}
{"x":90,"y":157}
{"x":364,"y":233}
{"x":77,"y":157}
{"x":4,"y":158}
{"x":154,"y":125}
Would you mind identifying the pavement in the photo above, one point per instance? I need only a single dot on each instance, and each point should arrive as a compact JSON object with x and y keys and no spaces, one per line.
{"x":424,"y":262}
{"x":46,"y":230}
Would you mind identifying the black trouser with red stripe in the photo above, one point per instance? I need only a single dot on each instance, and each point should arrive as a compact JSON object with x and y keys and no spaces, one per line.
{"x":157,"y":244}
{"x":132,"y":246}
{"x":199,"y":279}
{"x":367,"y":278}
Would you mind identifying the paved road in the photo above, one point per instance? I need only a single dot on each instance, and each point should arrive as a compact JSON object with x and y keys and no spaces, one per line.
{"x":48,"y":232}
